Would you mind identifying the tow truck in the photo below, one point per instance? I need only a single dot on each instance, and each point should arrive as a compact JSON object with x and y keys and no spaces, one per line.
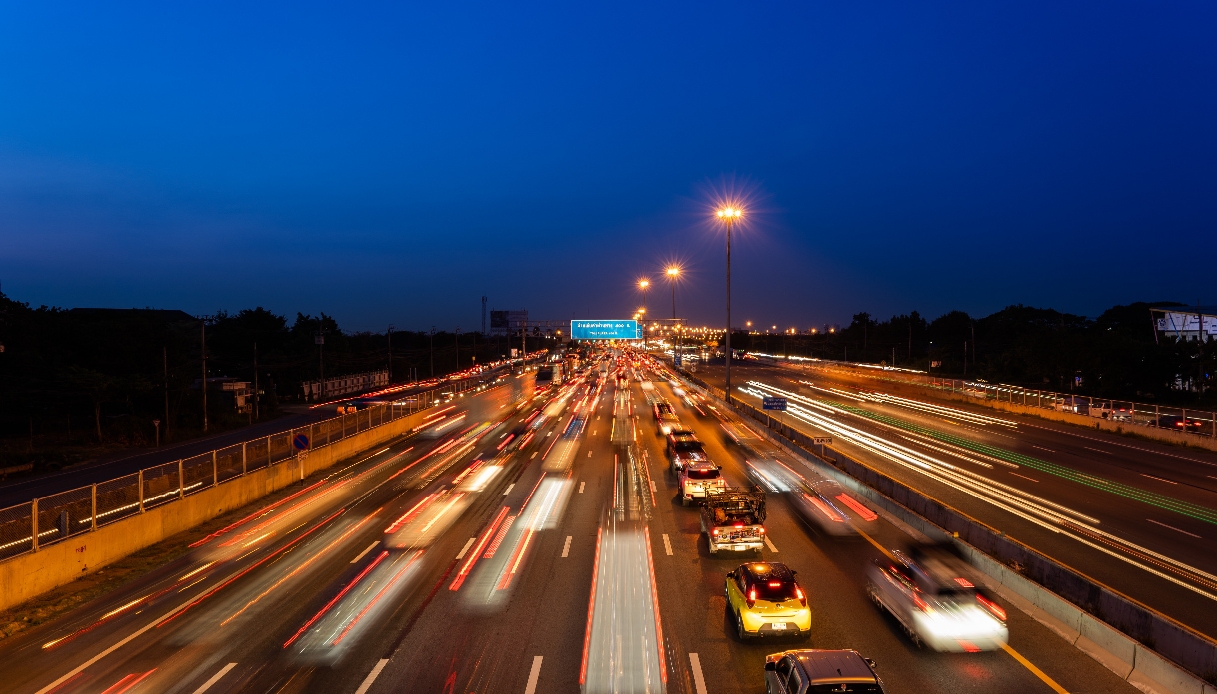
{"x":733,"y":520}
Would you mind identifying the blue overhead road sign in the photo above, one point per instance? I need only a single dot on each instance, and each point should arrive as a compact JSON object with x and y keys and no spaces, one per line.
{"x":605,"y":330}
{"x":774,"y":404}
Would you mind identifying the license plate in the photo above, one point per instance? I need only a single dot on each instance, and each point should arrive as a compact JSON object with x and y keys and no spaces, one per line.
{"x":779,"y":626}
{"x":740,"y":548}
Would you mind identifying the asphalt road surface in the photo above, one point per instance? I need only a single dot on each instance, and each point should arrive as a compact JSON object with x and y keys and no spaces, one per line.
{"x":523,"y":544}
{"x":1136,"y":515}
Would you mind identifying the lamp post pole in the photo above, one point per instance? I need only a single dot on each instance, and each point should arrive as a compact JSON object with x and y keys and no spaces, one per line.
{"x":673,"y":272}
{"x":729,"y":215}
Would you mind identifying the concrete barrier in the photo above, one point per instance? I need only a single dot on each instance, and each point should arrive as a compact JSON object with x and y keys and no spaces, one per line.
{"x":1148,"y":649}
{"x":28,"y":575}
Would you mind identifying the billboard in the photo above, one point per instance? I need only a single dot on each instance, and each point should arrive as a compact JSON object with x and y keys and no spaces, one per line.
{"x":605,"y":330}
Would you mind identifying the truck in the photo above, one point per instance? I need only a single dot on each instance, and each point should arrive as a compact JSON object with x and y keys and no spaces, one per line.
{"x":733,"y":520}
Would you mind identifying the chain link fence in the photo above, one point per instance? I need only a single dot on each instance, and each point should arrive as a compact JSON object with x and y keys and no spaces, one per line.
{"x":60,"y":516}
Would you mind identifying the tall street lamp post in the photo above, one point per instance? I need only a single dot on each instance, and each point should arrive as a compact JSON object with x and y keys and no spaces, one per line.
{"x":673,"y":272}
{"x":644,"y":284}
{"x":729,"y":216}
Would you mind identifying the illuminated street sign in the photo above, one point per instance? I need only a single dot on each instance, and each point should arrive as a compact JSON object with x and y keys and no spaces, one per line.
{"x":605,"y":330}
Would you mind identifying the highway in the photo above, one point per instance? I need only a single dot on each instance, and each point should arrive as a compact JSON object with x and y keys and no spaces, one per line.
{"x":1136,"y":515}
{"x":522,"y":543}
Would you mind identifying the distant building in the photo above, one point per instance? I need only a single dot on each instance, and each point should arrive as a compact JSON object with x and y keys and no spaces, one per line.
{"x":1185,"y":322}
{"x":238,"y":393}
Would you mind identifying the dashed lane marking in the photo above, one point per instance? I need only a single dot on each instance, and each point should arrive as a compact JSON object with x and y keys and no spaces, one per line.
{"x":466,"y":548}
{"x":215,"y":678}
{"x":508,"y":490}
{"x":667,"y":545}
{"x":566,"y":547}
{"x":361,"y":554}
{"x":533,"y":675}
{"x":1151,"y":520}
{"x":699,"y":680}
{"x":367,"y":681}
{"x":769,"y":544}
{"x":581,"y":485}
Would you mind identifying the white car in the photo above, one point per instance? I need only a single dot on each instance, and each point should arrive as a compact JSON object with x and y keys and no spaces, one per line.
{"x":933,"y":594}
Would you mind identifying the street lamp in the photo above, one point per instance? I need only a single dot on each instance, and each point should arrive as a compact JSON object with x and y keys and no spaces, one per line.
{"x":729,"y":216}
{"x":673,"y":272}
{"x":643,"y":285}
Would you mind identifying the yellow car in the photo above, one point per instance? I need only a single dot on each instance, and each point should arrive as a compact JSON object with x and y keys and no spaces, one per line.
{"x":766,"y":600}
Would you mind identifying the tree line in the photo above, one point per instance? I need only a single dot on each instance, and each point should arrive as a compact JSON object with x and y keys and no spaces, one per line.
{"x":1116,"y":355}
{"x":83,"y":377}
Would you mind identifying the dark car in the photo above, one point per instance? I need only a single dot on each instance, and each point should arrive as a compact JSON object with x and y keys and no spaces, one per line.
{"x":1170,"y":421}
{"x":812,"y":671}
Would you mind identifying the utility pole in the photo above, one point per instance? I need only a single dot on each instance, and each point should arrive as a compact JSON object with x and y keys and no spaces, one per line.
{"x":458,"y":348}
{"x":165,"y":357}
{"x":319,"y":339}
{"x":390,"y":353}
{"x":432,"y":341}
{"x":483,"y":315}
{"x":203,"y":326}
{"x":257,"y":415}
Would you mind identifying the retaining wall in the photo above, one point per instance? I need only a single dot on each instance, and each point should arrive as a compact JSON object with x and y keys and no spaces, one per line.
{"x":28,"y":575}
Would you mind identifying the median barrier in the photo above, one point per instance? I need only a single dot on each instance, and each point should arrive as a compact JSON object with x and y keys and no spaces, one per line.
{"x":1148,"y":649}
{"x":28,"y":575}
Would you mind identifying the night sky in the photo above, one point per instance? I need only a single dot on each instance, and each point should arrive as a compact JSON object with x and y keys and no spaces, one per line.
{"x":391,"y":163}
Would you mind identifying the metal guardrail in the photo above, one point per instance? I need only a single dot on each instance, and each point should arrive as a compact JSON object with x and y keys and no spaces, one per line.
{"x":43,"y":521}
{"x":1181,"y":419}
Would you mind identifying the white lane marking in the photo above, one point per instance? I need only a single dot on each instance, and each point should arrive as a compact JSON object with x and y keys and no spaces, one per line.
{"x":80,"y":668}
{"x":215,"y":678}
{"x":369,"y":549}
{"x":653,"y":486}
{"x":566,"y":547}
{"x":667,"y":545}
{"x":534,"y":454}
{"x":581,"y":484}
{"x":1096,"y":450}
{"x":367,"y":681}
{"x":699,"y":680}
{"x":1023,"y":476}
{"x":1158,"y":478}
{"x":769,"y":544}
{"x":508,"y":490}
{"x":589,"y":454}
{"x":1151,"y":520}
{"x":1047,"y":449}
{"x":465,"y":548}
{"x":533,"y":675}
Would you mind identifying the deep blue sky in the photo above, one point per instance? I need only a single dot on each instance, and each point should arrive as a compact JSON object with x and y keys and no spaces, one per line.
{"x":392,"y":162}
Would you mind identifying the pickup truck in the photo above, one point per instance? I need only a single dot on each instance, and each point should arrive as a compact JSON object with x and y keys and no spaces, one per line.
{"x":733,"y":520}
{"x":699,"y":481}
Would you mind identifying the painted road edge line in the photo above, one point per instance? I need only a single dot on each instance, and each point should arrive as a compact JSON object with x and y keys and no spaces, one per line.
{"x":367,"y":681}
{"x":466,"y":548}
{"x":566,"y":547}
{"x":667,"y":545}
{"x":533,"y":675}
{"x":699,"y":680}
{"x":365,"y":552}
{"x":1034,"y":670}
{"x":215,"y":678}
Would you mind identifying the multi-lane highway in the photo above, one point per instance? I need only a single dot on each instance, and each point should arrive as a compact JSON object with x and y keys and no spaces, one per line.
{"x":522,"y":543}
{"x":1136,"y":515}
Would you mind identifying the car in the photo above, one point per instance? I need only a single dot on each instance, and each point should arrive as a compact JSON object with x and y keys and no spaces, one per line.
{"x":668,"y":423}
{"x":934,"y":595}
{"x":700,"y":480}
{"x":765,"y":599}
{"x":683,"y":449}
{"x":816,"y":670}
{"x":1177,"y":423}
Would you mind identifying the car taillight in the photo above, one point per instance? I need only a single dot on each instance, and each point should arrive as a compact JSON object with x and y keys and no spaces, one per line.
{"x":716,"y":531}
{"x":802,"y":598}
{"x":752,"y":597}
{"x":775,"y":584}
{"x":921,"y":605}
{"x":992,"y":607}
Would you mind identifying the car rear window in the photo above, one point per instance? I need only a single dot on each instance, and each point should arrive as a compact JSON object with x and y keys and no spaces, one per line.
{"x":767,"y":590}
{"x":687,"y":445}
{"x":703,"y":474}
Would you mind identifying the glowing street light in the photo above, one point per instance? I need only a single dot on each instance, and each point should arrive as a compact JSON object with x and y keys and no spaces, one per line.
{"x":729,"y":215}
{"x":673,"y":272}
